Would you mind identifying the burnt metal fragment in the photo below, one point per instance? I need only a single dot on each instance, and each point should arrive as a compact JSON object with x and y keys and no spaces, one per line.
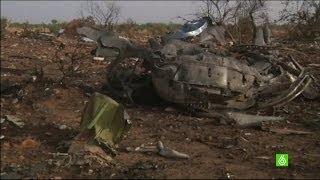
{"x":245,"y":77}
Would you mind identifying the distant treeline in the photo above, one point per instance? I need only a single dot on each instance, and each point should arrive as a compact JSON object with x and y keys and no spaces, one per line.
{"x":54,"y":26}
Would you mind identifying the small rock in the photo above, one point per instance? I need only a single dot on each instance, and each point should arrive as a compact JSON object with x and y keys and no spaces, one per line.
{"x":62,"y":127}
{"x":247,"y":134}
{"x":14,"y":45}
{"x":48,"y":133}
{"x":20,"y":93}
{"x":229,"y":146}
{"x":170,"y":109}
{"x":229,"y":175}
{"x":162,"y":138}
{"x":263,"y":157}
{"x":15,"y":120}
{"x":15,"y":100}
{"x":2,"y":137}
{"x":21,"y":157}
{"x":56,"y":91}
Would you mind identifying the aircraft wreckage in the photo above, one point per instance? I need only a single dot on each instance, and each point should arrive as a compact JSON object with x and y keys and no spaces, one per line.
{"x":207,"y":75}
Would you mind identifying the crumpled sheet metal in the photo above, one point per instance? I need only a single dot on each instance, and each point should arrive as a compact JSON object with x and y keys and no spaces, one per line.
{"x":104,"y":120}
{"x":189,"y":29}
{"x":213,"y":32}
{"x":202,"y":27}
{"x":203,"y":79}
{"x":296,"y":88}
{"x":103,"y":124}
{"x":193,"y":78}
{"x":107,"y":42}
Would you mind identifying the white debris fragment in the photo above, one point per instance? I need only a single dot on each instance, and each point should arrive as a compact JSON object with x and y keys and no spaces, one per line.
{"x":314,"y":65}
{"x":229,"y":175}
{"x":166,"y":152}
{"x":85,"y":39}
{"x":159,"y":148}
{"x":98,"y":58}
{"x":15,"y":101}
{"x":246,"y":120}
{"x":135,"y":59}
{"x":170,"y":109}
{"x":121,"y":37}
{"x":14,"y":45}
{"x":62,"y":127}
{"x":47,"y":34}
{"x":76,"y":67}
{"x":15,"y":120}
{"x":61,"y":31}
{"x":34,"y":78}
{"x":2,"y":120}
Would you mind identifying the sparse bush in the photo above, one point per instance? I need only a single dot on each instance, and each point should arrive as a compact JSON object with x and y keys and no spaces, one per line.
{"x":55,"y":26}
{"x":159,"y":28}
{"x":69,"y":63}
{"x":4,"y":23}
{"x":303,"y":17}
{"x":131,"y":22}
{"x":130,"y":28}
{"x":242,"y":30}
{"x":26,"y":26}
{"x":103,"y":13}
{"x":54,"y":21}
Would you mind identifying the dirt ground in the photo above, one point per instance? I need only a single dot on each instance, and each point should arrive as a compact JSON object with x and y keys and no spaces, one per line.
{"x":51,"y":112}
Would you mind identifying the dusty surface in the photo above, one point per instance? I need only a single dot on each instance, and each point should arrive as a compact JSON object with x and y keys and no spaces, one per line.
{"x":52,"y":112}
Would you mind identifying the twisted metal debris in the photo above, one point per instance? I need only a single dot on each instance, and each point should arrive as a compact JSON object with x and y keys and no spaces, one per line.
{"x":205,"y":77}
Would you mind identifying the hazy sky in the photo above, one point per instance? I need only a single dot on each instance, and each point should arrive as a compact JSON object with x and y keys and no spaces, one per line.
{"x":139,"y":11}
